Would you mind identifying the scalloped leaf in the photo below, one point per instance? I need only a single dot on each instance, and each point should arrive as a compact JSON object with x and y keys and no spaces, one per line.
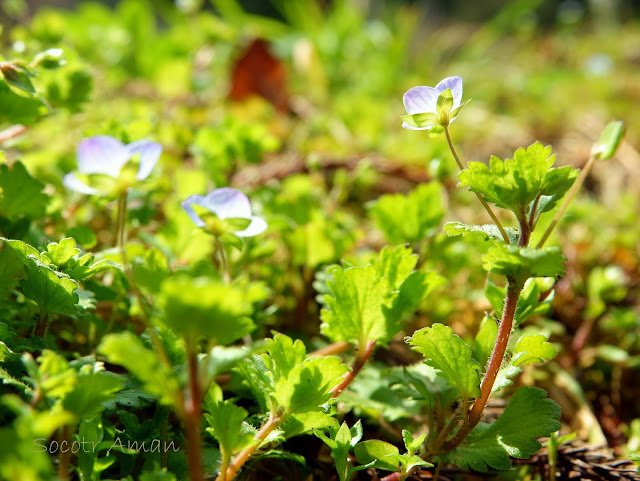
{"x":447,"y":352}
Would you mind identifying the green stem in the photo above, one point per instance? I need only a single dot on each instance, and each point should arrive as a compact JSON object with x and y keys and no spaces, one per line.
{"x":224,"y":262}
{"x":497,"y":356}
{"x":126,"y":268}
{"x":192,"y":416}
{"x":572,"y":192}
{"x":497,"y":222}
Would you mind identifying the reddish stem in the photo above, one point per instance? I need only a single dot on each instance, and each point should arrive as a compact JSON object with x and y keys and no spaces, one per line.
{"x":192,"y":415}
{"x":11,"y":132}
{"x":273,"y":422}
{"x":41,"y":325}
{"x":358,"y":364}
{"x":497,"y":356}
{"x":331,"y":349}
{"x":64,"y":460}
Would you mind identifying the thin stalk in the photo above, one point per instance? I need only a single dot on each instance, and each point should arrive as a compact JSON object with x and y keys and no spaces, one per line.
{"x":532,"y":214}
{"x":192,"y":415}
{"x":451,"y":425}
{"x":41,"y":325}
{"x":274,"y":421}
{"x":224,"y":262}
{"x":567,"y":200}
{"x":331,"y":349}
{"x":358,"y":364}
{"x":64,"y":459}
{"x":224,"y":464}
{"x":499,"y":349}
{"x":11,"y":132}
{"x":497,"y":222}
{"x":121,"y":222}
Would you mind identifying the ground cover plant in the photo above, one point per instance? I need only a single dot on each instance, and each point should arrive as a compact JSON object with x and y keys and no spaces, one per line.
{"x":242,"y":244}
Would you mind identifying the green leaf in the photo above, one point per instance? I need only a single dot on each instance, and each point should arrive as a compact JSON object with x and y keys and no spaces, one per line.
{"x":422,"y":383}
{"x":485,"y":340}
{"x":422,"y":211}
{"x":84,"y":236}
{"x":514,"y":183}
{"x":90,"y":391}
{"x":17,"y":76}
{"x":528,"y":415}
{"x":609,"y":140}
{"x":341,"y":441}
{"x":304,"y":423}
{"x":447,"y":352}
{"x":377,"y":452}
{"x":532,"y":348}
{"x":368,"y":303}
{"x":285,"y":355}
{"x":522,"y":263}
{"x":283,"y":379}
{"x":20,"y":194}
{"x":61,"y":252}
{"x":226,"y":424}
{"x":487,"y":231}
{"x":89,"y":430}
{"x":18,"y":108}
{"x":126,"y":349}
{"x":209,"y":308}
{"x":11,"y":267}
{"x":408,"y":461}
{"x":308,"y":385}
{"x":412,"y":444}
{"x":54,"y":292}
{"x":49,"y":59}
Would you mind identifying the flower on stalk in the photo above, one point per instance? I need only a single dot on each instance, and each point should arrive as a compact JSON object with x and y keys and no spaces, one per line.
{"x":104,"y":161}
{"x":433,"y":108}
{"x":231,"y":211}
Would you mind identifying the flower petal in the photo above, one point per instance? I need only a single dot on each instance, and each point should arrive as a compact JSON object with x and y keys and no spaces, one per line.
{"x":419,"y":100}
{"x":258,"y":226}
{"x":101,"y":155}
{"x":71,"y":181}
{"x":455,"y":84}
{"x":188,"y":202}
{"x":227,"y":202}
{"x":149,"y":152}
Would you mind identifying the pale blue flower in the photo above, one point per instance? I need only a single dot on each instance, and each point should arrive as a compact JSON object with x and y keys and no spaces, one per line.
{"x":424,"y":100}
{"x":225,"y":203}
{"x":105,"y":155}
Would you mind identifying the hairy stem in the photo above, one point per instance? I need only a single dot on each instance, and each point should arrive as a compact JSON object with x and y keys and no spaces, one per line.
{"x":192,"y":415}
{"x":567,"y":200}
{"x":497,"y":222}
{"x":358,"y":364}
{"x":274,"y":421}
{"x":499,"y":349}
